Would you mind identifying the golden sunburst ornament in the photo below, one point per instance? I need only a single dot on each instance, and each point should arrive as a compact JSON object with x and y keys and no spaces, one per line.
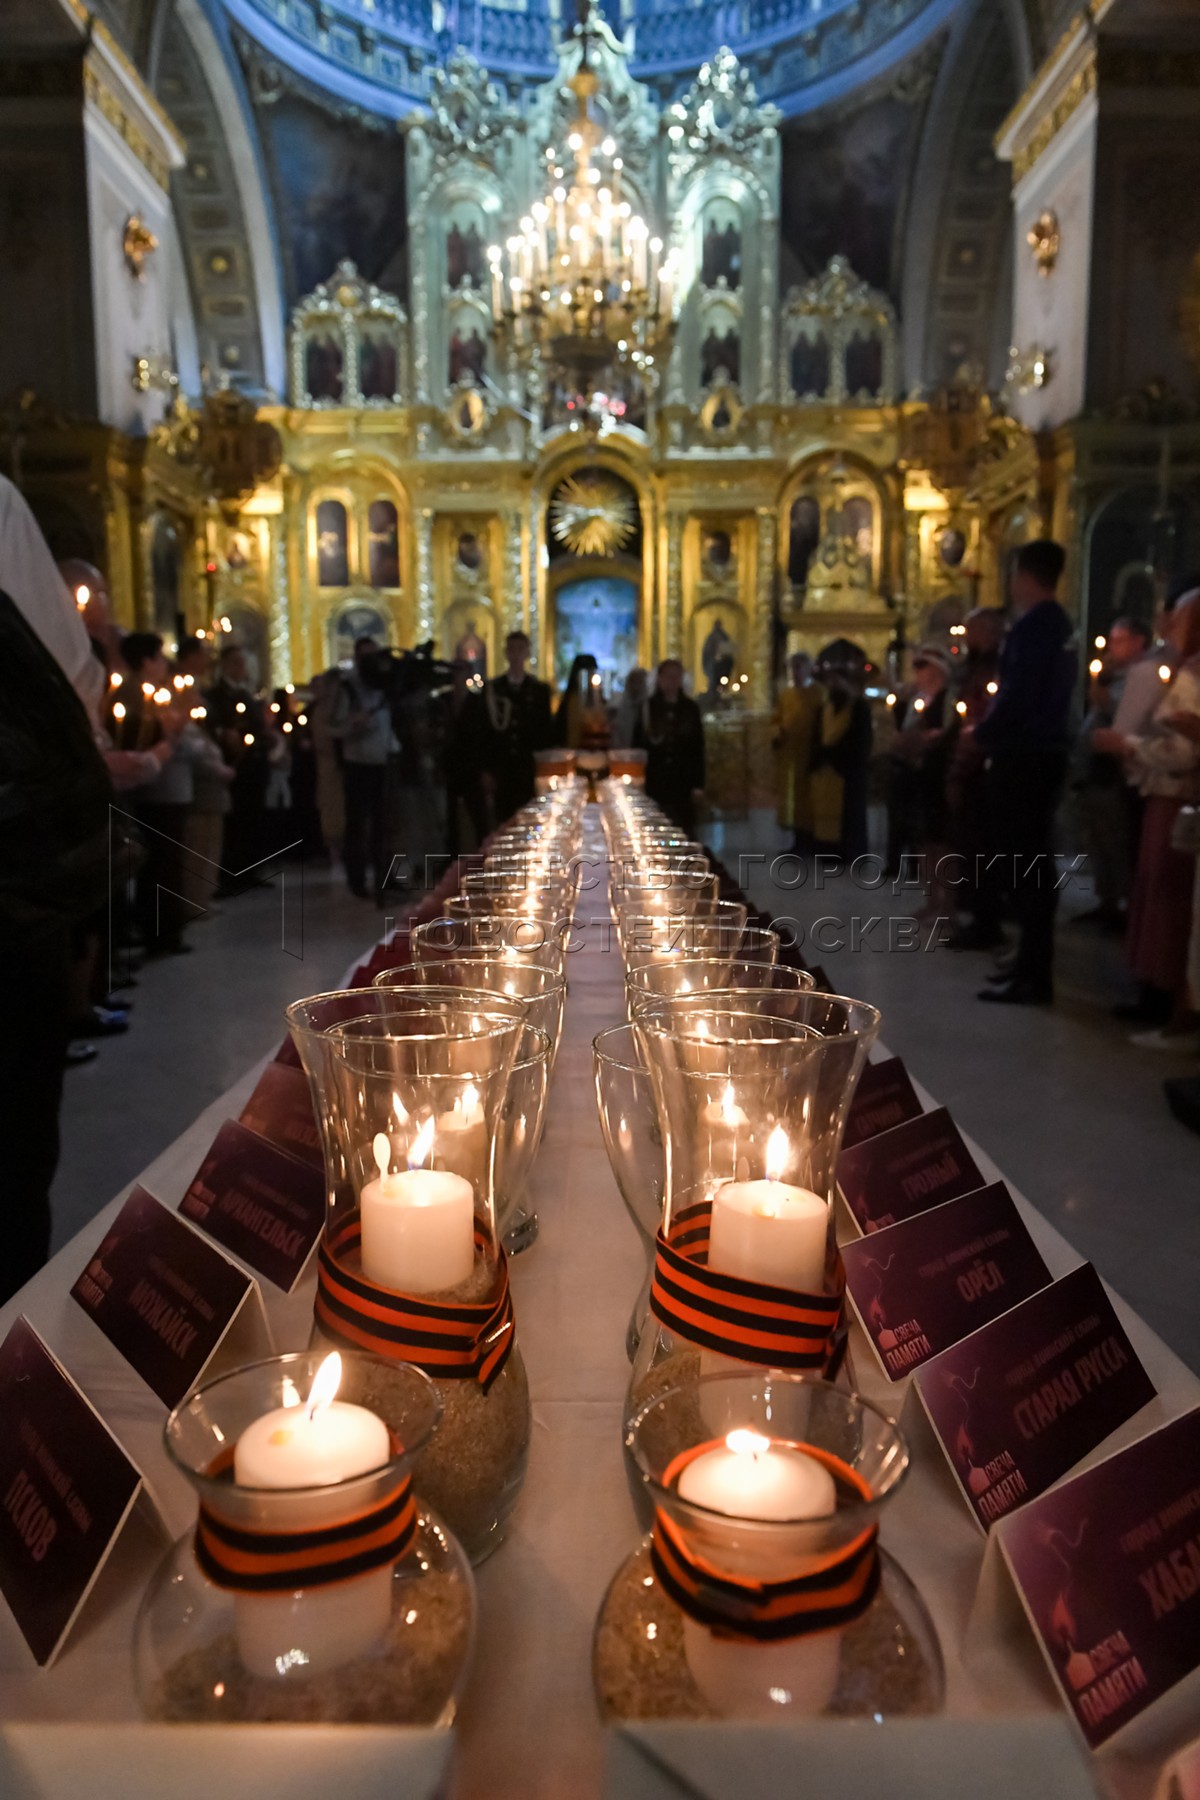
{"x":593,"y":515}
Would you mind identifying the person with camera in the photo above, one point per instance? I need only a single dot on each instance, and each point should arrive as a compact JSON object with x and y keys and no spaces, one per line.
{"x":362,"y":724}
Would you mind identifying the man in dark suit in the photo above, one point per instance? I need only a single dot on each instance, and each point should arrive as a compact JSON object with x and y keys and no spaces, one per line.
{"x":671,"y":732}
{"x":519,"y":723}
{"x":1026,"y":737}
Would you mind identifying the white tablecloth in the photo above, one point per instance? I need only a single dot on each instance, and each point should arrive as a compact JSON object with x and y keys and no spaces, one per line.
{"x":528,"y":1727}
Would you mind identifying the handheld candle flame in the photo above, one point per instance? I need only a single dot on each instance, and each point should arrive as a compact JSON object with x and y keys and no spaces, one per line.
{"x":422,"y":1147}
{"x":326,"y":1382}
{"x":747,"y":1443}
{"x":778,"y":1151}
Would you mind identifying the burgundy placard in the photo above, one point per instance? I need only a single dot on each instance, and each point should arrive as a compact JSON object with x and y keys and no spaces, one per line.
{"x":885,"y":1096}
{"x":1018,"y":1403}
{"x":1108,"y":1569}
{"x":920,"y":1286}
{"x":66,"y":1489}
{"x":906,"y":1171}
{"x":259,"y":1201}
{"x":161,"y":1294}
{"x":280,"y":1108}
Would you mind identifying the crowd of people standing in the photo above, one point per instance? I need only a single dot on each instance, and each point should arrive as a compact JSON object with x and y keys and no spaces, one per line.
{"x":985,"y":744}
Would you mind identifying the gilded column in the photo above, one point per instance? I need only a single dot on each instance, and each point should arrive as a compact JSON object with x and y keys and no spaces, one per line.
{"x":673,"y":635}
{"x":764,"y":609}
{"x":512,"y":615}
{"x":280,"y":625}
{"x":424,"y":616}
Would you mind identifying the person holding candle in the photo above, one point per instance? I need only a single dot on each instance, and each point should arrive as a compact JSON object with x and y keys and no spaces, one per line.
{"x":153,"y":713}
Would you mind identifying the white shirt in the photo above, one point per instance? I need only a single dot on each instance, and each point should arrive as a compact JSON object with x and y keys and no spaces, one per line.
{"x":29,"y":575}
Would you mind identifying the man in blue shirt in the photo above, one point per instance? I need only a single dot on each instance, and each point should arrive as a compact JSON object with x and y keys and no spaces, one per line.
{"x":1026,"y":736}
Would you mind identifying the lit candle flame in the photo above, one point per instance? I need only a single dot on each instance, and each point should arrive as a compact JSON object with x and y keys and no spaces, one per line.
{"x":747,"y":1443}
{"x":399,"y":1108}
{"x":381,"y":1149}
{"x":326,"y":1383}
{"x":468,"y":1100}
{"x":778,"y":1151}
{"x":83,"y":594}
{"x":422,"y":1147}
{"x":729,"y":1108}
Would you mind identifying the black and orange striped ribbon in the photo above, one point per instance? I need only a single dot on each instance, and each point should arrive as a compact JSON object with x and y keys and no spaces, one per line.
{"x":748,"y":1320}
{"x":272,"y":1562}
{"x":451,"y":1341}
{"x":832,"y":1592}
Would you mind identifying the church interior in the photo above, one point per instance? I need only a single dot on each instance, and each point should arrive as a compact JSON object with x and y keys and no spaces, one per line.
{"x":930,"y":292}
{"x":754,"y":437}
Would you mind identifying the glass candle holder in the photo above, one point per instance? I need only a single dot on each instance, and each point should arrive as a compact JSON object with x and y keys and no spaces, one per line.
{"x":522,"y":1120}
{"x":542,"y":992}
{"x":413,"y":1268}
{"x":752,"y":1097}
{"x":311,"y":1022}
{"x":633,"y":1140}
{"x":451,"y":940}
{"x":676,"y":977}
{"x":718,"y":931}
{"x":761,"y":1592}
{"x":314,"y":1588}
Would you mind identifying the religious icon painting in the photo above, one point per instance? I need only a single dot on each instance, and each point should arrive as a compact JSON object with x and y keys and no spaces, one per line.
{"x":721,"y":244}
{"x":378,"y":371}
{"x":333,"y":550}
{"x":324,"y":374}
{"x":466,"y":246}
{"x":383,"y":544}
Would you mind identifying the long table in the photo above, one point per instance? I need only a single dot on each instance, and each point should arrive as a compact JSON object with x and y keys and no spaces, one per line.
{"x":528,"y":1727}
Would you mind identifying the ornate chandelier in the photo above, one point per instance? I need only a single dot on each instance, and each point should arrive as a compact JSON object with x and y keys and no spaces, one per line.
{"x":584,"y":286}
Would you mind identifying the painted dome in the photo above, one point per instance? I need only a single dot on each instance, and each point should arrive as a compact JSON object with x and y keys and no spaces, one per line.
{"x":380,"y":54}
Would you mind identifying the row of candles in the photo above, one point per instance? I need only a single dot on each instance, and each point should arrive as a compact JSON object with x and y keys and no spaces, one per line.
{"x":424,"y":1183}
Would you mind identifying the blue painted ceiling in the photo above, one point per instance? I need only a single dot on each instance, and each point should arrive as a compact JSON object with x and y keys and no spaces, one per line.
{"x":379,"y":55}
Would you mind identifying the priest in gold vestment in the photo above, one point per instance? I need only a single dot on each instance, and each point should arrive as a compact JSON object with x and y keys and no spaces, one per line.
{"x":796,"y":716}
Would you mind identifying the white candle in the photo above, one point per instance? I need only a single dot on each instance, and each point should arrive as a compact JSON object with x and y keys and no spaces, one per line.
{"x":418,"y":1224}
{"x":462,"y":1135}
{"x":749,"y":1477}
{"x":312,"y":1444}
{"x":723,"y":1114}
{"x":752,"y":1478}
{"x":770,"y":1231}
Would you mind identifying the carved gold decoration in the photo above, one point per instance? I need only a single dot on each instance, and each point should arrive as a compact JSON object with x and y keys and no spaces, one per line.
{"x":106,"y":102}
{"x":138,"y":244}
{"x":1082,"y":84}
{"x":239,"y":450}
{"x":593,"y":515}
{"x":1028,"y":370}
{"x":721,"y":413}
{"x":466,"y":413}
{"x":153,"y":372}
{"x":1044,"y":240}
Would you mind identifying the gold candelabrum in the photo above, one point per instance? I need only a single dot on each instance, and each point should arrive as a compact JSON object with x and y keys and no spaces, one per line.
{"x":584,"y":286}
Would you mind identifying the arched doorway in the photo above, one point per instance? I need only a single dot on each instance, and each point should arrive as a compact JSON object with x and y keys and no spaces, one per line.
{"x":593,"y":541}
